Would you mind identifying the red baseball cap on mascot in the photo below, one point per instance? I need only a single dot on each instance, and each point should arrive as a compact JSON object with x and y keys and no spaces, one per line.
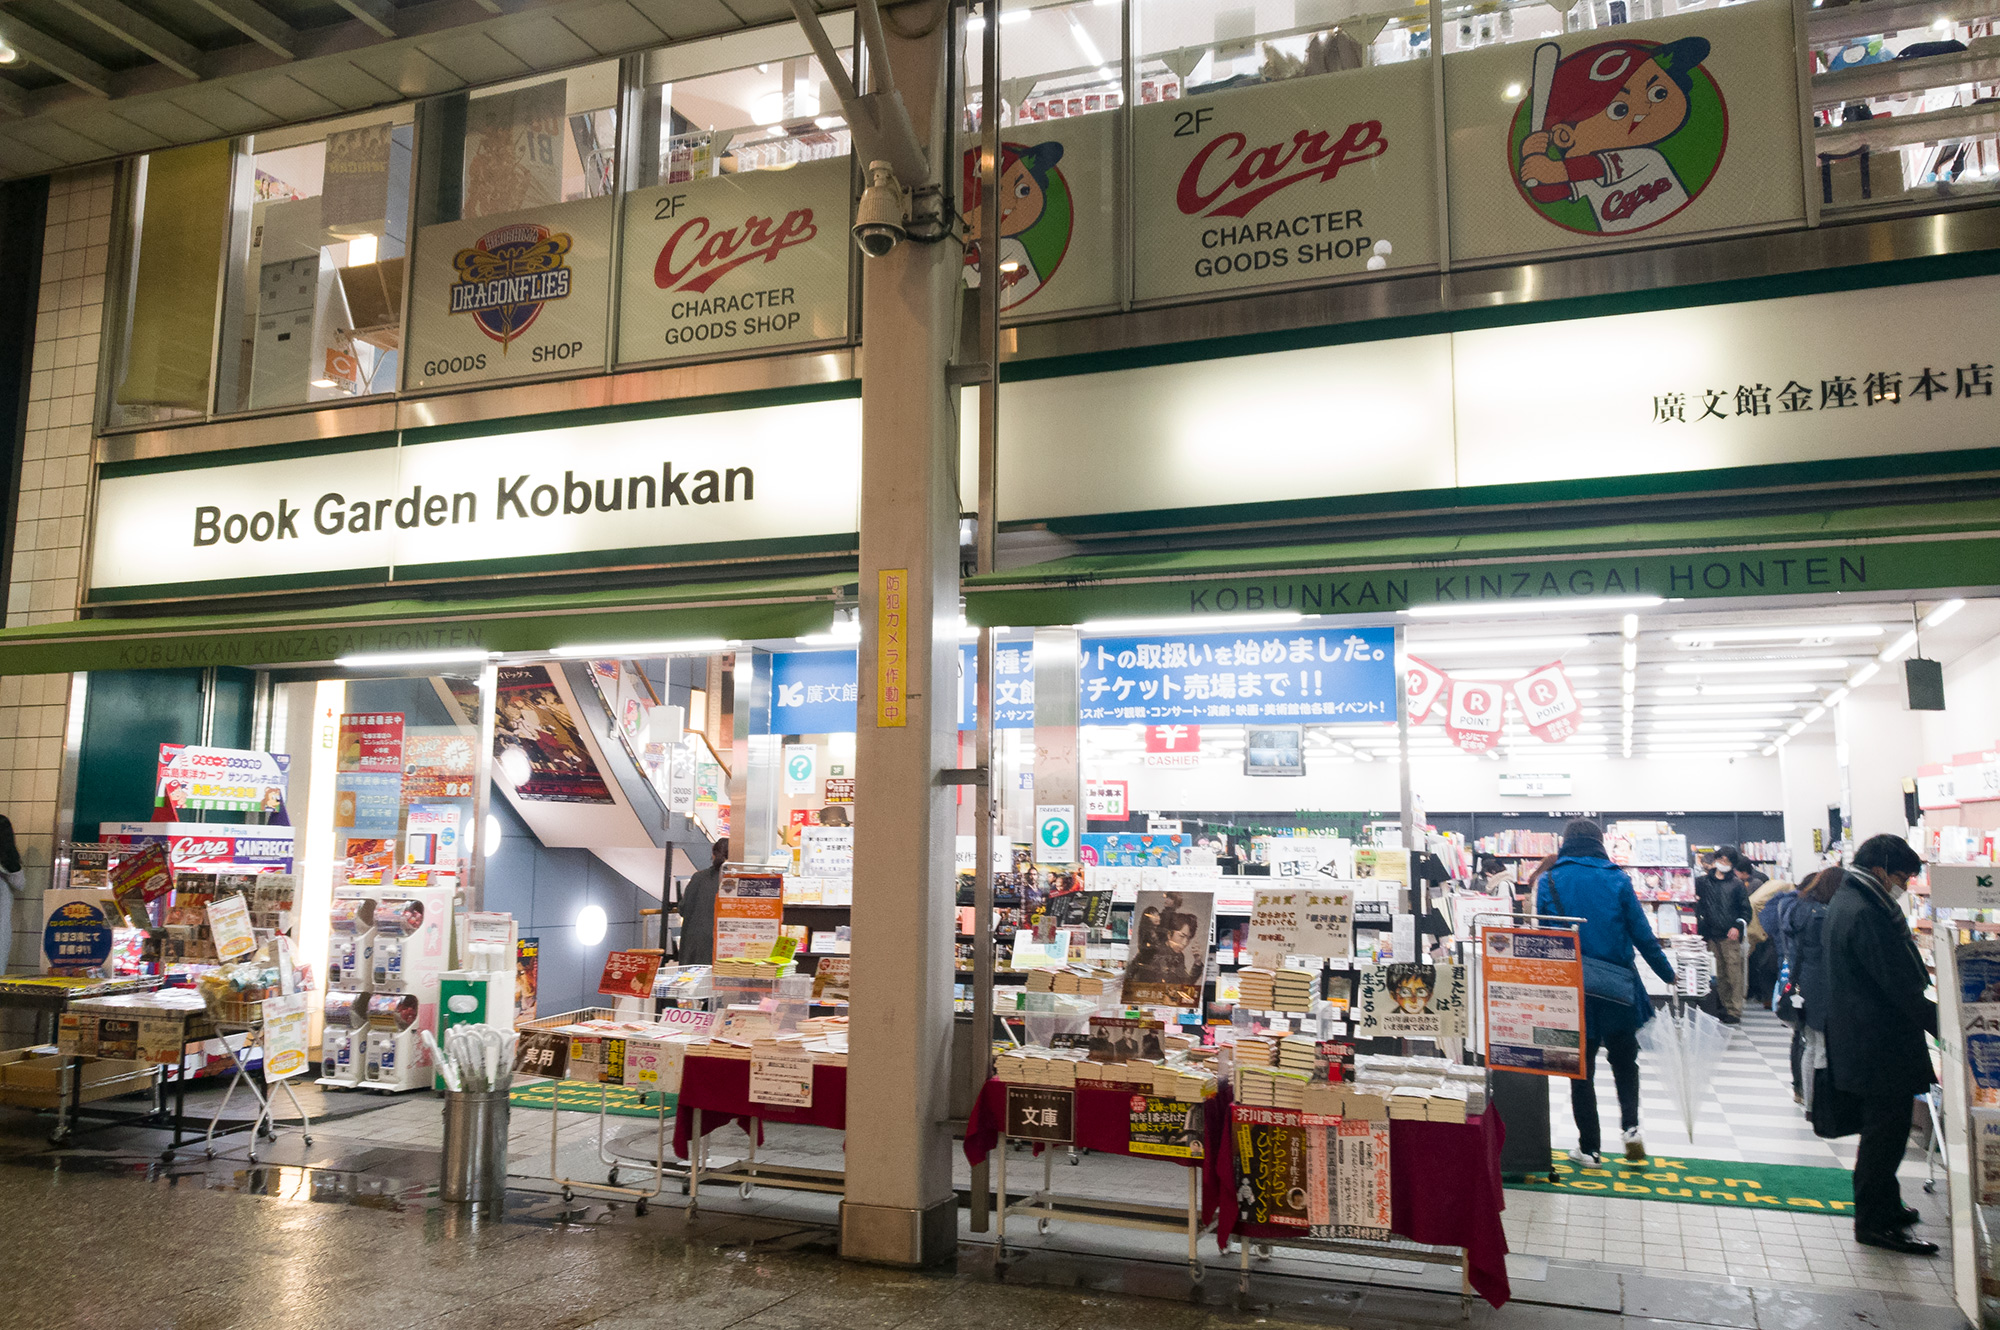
{"x":1589,"y":81}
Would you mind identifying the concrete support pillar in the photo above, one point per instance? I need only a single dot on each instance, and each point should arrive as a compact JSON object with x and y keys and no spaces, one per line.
{"x":900,"y":1208}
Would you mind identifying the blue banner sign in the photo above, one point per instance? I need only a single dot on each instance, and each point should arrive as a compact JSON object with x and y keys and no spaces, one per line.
{"x":813,"y":692}
{"x":1344,"y":674}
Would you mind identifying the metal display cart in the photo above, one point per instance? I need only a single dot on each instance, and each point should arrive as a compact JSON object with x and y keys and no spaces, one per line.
{"x":1048,"y":1203}
{"x":247,"y":1019}
{"x":657,"y":1167}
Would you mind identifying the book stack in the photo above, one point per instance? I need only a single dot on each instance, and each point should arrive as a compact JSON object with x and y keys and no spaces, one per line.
{"x":1255,"y":1050}
{"x":1270,"y":1087}
{"x":1257,"y":988}
{"x":1091,"y":981}
{"x":1294,"y":989}
{"x":1323,"y":1099}
{"x":820,"y":1026}
{"x":1448,"y":1104}
{"x":1041,"y":981}
{"x":1368,"y":1104}
{"x":1410,"y":1103}
{"x":757,"y":969}
{"x":1296,"y":1053}
{"x":1473,"y":1081}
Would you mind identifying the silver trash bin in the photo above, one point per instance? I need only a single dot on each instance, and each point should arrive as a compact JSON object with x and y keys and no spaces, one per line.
{"x":475,"y":1146}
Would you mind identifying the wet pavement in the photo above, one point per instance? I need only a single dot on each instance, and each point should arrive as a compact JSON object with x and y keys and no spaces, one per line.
{"x":347,"y":1234}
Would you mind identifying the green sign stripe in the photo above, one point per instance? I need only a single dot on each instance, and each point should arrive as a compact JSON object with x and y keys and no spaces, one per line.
{"x":273,"y":452}
{"x":1852,"y":567}
{"x":659,"y":410}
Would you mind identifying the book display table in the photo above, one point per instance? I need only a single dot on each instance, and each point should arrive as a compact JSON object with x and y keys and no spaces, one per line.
{"x":1102,"y":1121}
{"x":716,"y":1091}
{"x":1445,"y":1204}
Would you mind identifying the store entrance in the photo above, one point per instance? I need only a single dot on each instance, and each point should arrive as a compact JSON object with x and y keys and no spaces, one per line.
{"x":1216,"y":763}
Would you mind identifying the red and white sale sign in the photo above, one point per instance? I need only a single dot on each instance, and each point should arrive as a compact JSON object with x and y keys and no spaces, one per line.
{"x":1548,"y":703}
{"x":1424,"y":683}
{"x":1475,"y":714}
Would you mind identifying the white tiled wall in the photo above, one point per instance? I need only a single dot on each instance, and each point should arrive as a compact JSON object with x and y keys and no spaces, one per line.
{"x":48,"y":539}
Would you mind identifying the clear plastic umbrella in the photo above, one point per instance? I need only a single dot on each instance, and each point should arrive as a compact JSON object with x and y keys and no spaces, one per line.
{"x":1686,"y":1045}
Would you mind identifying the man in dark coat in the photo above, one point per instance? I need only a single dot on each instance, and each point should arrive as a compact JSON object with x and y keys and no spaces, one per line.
{"x":1722,"y":911}
{"x":1877,"y":1018}
{"x":697,"y":910}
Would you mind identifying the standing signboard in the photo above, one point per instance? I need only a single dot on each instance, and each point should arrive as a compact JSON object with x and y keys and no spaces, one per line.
{"x":1296,"y":181}
{"x":749,"y":908}
{"x":735,"y":263}
{"x":1532,"y":988}
{"x":1673,"y":127}
{"x":1037,"y":1113}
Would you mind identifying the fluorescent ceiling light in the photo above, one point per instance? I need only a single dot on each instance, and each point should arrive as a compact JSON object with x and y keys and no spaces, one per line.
{"x":1894,"y":651}
{"x":1812,"y":716}
{"x":1770,"y":750}
{"x":1793,"y":665}
{"x":1493,"y":646}
{"x":1221,"y":623}
{"x":1796,"y":728}
{"x":1864,"y":674}
{"x":1578,"y":605}
{"x":1832,"y":632}
{"x":1091,"y":55}
{"x":1939,"y":613}
{"x":846,"y":631}
{"x":1629,"y":656}
{"x":1736,"y":689}
{"x":1836,"y":697}
{"x":392,"y":659}
{"x":1722,"y":708}
{"x":1629,"y":627}
{"x":618,"y":650}
{"x":1502,"y":675}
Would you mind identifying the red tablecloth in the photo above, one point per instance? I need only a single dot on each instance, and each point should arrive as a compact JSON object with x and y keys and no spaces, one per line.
{"x":1104,"y":1124}
{"x":1444,"y":1190}
{"x":720,"y":1088}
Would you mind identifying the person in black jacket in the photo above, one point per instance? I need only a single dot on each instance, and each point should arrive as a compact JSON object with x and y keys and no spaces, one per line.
{"x":1722,"y":911}
{"x":1877,"y":1018}
{"x":696,"y":908}
{"x":1802,"y":937}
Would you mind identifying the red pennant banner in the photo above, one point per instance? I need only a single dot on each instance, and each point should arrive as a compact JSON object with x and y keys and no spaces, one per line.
{"x":1424,"y":683}
{"x":1548,"y":703}
{"x":1475,"y":715}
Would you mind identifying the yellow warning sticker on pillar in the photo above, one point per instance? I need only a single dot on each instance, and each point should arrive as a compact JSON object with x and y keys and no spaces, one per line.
{"x":892,"y":649}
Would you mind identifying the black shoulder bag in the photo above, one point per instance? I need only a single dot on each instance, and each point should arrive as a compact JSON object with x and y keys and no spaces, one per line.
{"x":1603,"y":980}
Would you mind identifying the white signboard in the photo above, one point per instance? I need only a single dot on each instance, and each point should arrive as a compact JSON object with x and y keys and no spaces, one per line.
{"x":518,"y":293}
{"x":1299,"y":180}
{"x":1055,"y":833}
{"x":826,"y":852}
{"x":757,"y":474}
{"x":1326,"y":921}
{"x":1275,"y":919}
{"x":655,"y":1064}
{"x":680,"y":776}
{"x":1964,"y":886}
{"x":1534,"y":784}
{"x":781,"y":1077}
{"x":736,"y":263}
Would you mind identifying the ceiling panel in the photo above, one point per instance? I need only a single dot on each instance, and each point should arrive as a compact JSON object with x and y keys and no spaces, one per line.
{"x":343,"y":83}
{"x":408,"y":70}
{"x":18,"y":159}
{"x":285,"y":98}
{"x":682,"y":19}
{"x":116,"y":132}
{"x":222,"y":108}
{"x":174,"y":124}
{"x":761,"y":11}
{"x":612,"y":29}
{"x":59,"y":141}
{"x":475,"y":57}
{"x":541,"y":42}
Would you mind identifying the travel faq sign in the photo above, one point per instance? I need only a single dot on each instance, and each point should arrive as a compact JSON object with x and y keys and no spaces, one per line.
{"x":1338,"y":675}
{"x":1294,"y":181}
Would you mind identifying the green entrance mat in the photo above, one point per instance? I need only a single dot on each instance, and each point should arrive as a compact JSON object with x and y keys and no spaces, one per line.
{"x":583,"y":1097}
{"x":1690,"y":1181}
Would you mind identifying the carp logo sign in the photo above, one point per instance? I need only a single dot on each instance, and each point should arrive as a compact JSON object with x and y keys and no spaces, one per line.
{"x":697,"y":255}
{"x":1620,"y":136}
{"x":507,"y":276}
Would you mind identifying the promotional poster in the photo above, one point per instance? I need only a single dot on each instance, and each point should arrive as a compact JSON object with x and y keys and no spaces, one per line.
{"x":1170,"y":931}
{"x":533,"y":721}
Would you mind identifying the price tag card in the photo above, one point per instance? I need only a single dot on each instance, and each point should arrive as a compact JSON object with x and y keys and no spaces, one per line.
{"x":284,"y":1036}
{"x":781,"y":1077}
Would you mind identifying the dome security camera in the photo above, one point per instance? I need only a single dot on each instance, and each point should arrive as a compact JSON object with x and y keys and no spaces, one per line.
{"x":880,"y":222}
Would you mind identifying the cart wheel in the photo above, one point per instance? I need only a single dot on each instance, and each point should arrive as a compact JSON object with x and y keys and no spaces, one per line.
{"x":307,"y":1139}
{"x":166,"y":1156}
{"x":210,"y":1152}
{"x":743,"y":1190}
{"x":1930,"y":1188}
{"x":1041,"y":1226}
{"x":1197,"y":1272}
{"x":568,"y":1195}
{"x":640,"y":1208}
{"x":253,"y":1156}
{"x":612,"y":1179}
{"x":267,"y":1131}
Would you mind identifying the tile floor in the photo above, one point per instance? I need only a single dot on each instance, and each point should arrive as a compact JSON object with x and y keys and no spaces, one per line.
{"x":1747,"y":1116}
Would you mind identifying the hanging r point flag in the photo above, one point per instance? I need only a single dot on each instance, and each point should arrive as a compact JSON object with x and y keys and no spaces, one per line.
{"x":1424,"y":684}
{"x":1548,"y":703}
{"x":1475,"y":714}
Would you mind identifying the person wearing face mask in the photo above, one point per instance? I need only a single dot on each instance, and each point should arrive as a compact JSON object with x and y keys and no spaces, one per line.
{"x":1877,"y":1021}
{"x":1722,"y":910}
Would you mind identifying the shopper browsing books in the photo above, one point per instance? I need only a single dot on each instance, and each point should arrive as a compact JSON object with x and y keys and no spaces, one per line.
{"x":1722,"y":912}
{"x":1585,"y":884}
{"x":697,"y":910}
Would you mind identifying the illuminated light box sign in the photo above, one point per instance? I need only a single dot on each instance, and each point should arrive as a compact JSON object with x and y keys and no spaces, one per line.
{"x":762,"y":473}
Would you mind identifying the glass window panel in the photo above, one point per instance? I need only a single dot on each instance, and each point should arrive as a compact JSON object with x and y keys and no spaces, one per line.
{"x":1196,"y":46}
{"x":315,"y":293}
{"x":737,"y":239}
{"x":513,"y":268}
{"x":1061,"y":71}
{"x":167,"y":337}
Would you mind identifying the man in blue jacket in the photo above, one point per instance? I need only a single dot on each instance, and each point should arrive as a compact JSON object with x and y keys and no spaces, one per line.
{"x":1583,"y":882}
